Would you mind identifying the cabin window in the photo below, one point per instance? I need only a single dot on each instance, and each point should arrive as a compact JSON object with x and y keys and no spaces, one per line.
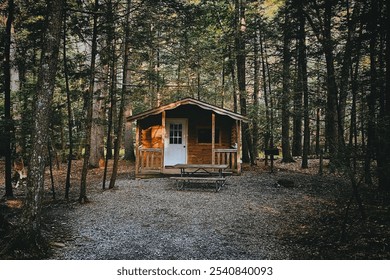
{"x":205,"y":135}
{"x":175,"y":133}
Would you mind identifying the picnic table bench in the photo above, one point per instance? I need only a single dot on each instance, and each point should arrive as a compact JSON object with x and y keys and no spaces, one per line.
{"x":200,"y":173}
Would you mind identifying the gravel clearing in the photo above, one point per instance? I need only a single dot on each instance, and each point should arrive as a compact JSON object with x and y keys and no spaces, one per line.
{"x":151,"y":219}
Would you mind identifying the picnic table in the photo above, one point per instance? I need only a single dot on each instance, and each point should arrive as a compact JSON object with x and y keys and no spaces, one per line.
{"x":201,"y":173}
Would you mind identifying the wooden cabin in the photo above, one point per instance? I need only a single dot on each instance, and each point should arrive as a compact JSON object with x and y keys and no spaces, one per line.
{"x":188,"y":131}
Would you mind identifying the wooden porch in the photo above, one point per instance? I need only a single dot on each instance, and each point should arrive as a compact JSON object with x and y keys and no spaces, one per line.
{"x":150,"y":161}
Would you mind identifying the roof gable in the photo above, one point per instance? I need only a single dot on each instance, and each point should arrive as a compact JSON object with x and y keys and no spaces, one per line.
{"x":188,"y":101}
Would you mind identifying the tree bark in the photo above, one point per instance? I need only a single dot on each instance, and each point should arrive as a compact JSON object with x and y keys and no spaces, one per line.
{"x":384,"y":156}
{"x":31,"y":220}
{"x":97,"y":134}
{"x":89,"y":99}
{"x":112,"y":115}
{"x":233,"y":76}
{"x":109,"y":140}
{"x":286,"y":150}
{"x":247,"y":155}
{"x":126,"y":79}
{"x":372,"y":96}
{"x":318,"y":129}
{"x":256,"y":97}
{"x":7,"y":101}
{"x":129,"y":139}
{"x":353,"y":134}
{"x":69,"y":110}
{"x":298,"y":94}
{"x":331,"y":115}
{"x":299,"y":91}
{"x":267,"y":133}
{"x":302,"y":82}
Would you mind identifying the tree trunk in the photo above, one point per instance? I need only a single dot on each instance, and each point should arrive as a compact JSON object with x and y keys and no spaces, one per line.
{"x":302,"y":83}
{"x":256,"y":97}
{"x":384,"y":156}
{"x":331,"y":115}
{"x":109,"y":141}
{"x":112,"y":117}
{"x":371,"y":97}
{"x":89,"y":99}
{"x":109,"y":130}
{"x":97,"y":134}
{"x":50,"y":148}
{"x":25,"y":104}
{"x":353,"y":134}
{"x":318,"y":128}
{"x":198,"y":66}
{"x":298,"y":94}
{"x":112,"y":76}
{"x":267,"y":133}
{"x":126,"y":79}
{"x":31,"y":220}
{"x":233,"y":76}
{"x":129,"y":139}
{"x":286,"y":151}
{"x":297,"y":124}
{"x":157,"y":71}
{"x":69,"y":109}
{"x":223,"y":83}
{"x":7,"y":101}
{"x":247,"y":154}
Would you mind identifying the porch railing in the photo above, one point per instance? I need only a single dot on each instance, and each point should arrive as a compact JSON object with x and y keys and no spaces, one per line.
{"x":150,"y":159}
{"x":226,"y":156}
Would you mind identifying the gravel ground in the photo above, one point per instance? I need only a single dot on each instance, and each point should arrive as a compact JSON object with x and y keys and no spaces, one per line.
{"x":151,"y":219}
{"x":255,"y":217}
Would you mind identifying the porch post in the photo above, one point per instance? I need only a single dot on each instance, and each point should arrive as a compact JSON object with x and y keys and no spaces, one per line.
{"x":163,"y":120}
{"x":213,"y":138}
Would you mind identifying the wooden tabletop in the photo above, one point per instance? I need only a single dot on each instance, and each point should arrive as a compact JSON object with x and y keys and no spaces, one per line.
{"x":205,"y":166}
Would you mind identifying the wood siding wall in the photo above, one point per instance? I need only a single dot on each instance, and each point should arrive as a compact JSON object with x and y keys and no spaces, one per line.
{"x":197,"y":153}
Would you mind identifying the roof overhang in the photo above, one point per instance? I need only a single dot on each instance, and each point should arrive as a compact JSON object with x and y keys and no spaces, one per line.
{"x":188,"y":101}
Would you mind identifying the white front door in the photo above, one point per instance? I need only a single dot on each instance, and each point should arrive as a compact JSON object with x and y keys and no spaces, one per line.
{"x":175,"y":145}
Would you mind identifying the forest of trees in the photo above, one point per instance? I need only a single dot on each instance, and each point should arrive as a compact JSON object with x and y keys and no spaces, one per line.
{"x":312,"y":76}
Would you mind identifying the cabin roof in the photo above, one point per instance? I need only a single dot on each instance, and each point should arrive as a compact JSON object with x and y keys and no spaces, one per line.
{"x":188,"y":101}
